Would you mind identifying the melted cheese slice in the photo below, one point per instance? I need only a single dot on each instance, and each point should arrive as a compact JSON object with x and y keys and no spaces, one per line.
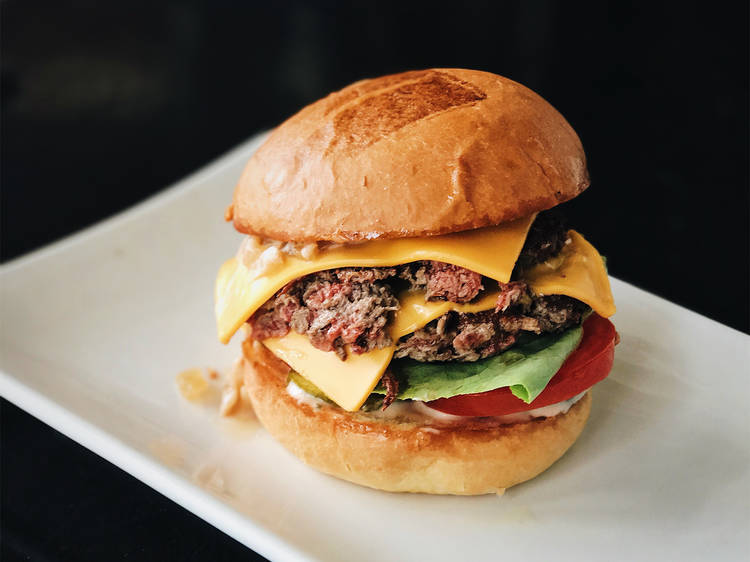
{"x":348,"y":383}
{"x":491,"y":251}
{"x":577,"y":271}
{"x":415,"y":312}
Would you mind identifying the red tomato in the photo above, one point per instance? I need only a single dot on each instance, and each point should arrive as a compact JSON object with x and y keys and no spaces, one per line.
{"x":587,"y":365}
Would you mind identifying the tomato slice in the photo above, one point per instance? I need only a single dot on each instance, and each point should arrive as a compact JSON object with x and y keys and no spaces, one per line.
{"x":587,"y":365}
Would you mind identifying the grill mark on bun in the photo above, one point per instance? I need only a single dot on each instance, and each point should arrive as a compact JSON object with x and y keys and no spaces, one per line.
{"x":365,"y":87}
{"x":400,"y":101}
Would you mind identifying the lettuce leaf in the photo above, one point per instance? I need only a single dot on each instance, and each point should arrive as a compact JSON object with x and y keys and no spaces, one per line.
{"x":526,"y":368}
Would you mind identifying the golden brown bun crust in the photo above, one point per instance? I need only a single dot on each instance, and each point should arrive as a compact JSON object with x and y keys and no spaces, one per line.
{"x":402,"y":456}
{"x":412,"y":154}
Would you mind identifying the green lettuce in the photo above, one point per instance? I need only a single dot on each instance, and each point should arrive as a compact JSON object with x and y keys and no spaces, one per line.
{"x":526,"y":368}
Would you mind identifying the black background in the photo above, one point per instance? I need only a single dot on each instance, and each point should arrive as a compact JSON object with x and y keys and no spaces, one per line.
{"x":104,"y":104}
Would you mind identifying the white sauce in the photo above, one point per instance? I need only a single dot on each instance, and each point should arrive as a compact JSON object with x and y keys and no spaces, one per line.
{"x":303,"y":397}
{"x":252,"y":246}
{"x":414,"y":409}
{"x":543,"y":412}
{"x":262,"y":255}
{"x":258,"y":257}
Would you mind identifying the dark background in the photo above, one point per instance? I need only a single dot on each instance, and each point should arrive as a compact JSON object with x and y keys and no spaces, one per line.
{"x":104,"y":104}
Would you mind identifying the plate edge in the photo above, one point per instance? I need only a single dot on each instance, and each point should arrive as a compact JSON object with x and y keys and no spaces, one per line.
{"x":151,"y":473}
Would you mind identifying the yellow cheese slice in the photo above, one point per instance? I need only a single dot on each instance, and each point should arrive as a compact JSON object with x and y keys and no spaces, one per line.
{"x":491,"y":251}
{"x":415,"y":312}
{"x":577,"y":271}
{"x":348,"y":383}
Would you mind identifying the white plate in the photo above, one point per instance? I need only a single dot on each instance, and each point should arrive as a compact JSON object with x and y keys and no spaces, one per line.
{"x":96,"y":327}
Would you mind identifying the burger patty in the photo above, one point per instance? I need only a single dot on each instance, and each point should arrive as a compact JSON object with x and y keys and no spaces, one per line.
{"x":333,"y":308}
{"x":470,"y":337}
{"x":545,"y":239}
{"x":352,"y":306}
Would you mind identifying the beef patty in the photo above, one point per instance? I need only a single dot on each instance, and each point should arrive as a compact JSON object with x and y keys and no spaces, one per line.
{"x":470,"y":337}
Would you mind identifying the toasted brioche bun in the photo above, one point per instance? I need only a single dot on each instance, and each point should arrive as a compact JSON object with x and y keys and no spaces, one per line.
{"x":420,"y":153}
{"x":468,"y":458}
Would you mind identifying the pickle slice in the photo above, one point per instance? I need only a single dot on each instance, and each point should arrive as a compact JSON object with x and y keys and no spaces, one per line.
{"x":307,"y":386}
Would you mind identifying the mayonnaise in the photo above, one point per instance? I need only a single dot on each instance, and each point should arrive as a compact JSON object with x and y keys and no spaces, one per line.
{"x":416,"y":411}
{"x":303,"y":397}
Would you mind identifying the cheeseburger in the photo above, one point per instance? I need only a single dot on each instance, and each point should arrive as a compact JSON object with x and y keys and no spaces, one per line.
{"x":417,"y":316}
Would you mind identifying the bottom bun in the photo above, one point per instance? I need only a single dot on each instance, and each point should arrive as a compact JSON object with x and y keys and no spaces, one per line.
{"x":406,"y":453}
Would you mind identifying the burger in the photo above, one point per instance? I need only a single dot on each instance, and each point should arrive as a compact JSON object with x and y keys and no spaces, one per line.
{"x":417,"y":316}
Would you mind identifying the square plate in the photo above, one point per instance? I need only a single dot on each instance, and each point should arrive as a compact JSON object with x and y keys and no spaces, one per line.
{"x":97,"y":326}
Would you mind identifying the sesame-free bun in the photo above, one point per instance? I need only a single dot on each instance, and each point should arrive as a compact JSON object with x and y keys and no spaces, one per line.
{"x":399,"y":455}
{"x":412,"y":154}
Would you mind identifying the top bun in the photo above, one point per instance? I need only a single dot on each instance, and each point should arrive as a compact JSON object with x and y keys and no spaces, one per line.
{"x":419,"y":153}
